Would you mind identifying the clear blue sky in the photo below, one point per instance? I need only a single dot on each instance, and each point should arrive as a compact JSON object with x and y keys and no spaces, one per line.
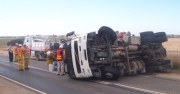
{"x":27,"y":17}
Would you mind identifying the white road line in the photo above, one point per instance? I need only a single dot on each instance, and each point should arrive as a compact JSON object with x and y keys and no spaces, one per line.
{"x":23,"y":85}
{"x":33,"y":67}
{"x":130,"y":87}
{"x":38,"y":68}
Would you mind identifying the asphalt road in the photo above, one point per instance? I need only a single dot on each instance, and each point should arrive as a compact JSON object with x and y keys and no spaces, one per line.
{"x":48,"y":82}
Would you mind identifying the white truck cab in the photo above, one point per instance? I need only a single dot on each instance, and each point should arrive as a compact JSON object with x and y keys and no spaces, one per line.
{"x":77,"y":63}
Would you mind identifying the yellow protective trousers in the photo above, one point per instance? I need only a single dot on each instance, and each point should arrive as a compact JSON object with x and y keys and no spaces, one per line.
{"x":15,"y":57}
{"x":49,"y":61}
{"x":20,"y":63}
{"x":26,"y":62}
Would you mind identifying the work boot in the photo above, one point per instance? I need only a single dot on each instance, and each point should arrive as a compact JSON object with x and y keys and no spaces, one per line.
{"x":26,"y":68}
{"x":21,"y":70}
{"x":63,"y":74}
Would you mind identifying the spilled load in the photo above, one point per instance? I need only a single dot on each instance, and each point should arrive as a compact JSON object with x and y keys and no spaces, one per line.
{"x":110,"y":55}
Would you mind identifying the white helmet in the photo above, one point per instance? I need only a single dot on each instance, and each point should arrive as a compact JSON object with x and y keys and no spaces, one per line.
{"x":20,"y":44}
{"x":16,"y":44}
{"x":61,"y":46}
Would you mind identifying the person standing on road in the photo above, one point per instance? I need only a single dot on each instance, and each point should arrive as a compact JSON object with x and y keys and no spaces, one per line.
{"x":10,"y":50}
{"x":15,"y":52}
{"x":59,"y":58}
{"x":50,"y":56}
{"x":45,"y":51}
{"x":20,"y":57}
{"x":26,"y":54}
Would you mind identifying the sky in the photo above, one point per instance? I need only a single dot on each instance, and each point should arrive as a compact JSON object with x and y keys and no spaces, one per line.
{"x":46,"y":17}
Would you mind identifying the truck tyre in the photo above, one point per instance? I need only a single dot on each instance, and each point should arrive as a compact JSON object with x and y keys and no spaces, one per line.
{"x":163,"y":39}
{"x":146,"y":33}
{"x":160,"y":39}
{"x":157,"y":63}
{"x":152,"y":63}
{"x":110,"y":73}
{"x":104,"y":30}
{"x":38,"y":56}
{"x":140,"y":66}
{"x":159,"y":34}
{"x":148,"y":39}
{"x":165,"y":62}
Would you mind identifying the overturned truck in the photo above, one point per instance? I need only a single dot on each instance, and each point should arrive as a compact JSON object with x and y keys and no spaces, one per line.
{"x":102,"y":55}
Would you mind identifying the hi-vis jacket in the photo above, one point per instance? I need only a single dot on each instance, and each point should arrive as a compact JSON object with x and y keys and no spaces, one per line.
{"x":15,"y":50}
{"x":26,"y":52}
{"x":59,"y":55}
{"x":19,"y":54}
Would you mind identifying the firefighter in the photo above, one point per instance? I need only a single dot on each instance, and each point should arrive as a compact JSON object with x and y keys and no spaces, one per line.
{"x":20,"y":57}
{"x":10,"y":50}
{"x":45,"y":55}
{"x":50,"y":56}
{"x":26,"y":54}
{"x":59,"y":58}
{"x":15,"y":52}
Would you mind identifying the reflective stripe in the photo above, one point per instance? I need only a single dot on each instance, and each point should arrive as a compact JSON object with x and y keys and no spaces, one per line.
{"x":59,"y":57}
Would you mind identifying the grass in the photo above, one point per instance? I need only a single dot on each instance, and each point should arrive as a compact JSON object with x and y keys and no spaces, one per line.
{"x":4,"y":41}
{"x":175,"y":60}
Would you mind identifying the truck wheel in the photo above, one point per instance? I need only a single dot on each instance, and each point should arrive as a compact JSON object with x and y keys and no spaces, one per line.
{"x":104,"y":30}
{"x":159,"y":34}
{"x":140,"y":66}
{"x":160,"y":39}
{"x":152,"y":63}
{"x":110,"y":73}
{"x":165,"y":62}
{"x":146,"y":33}
{"x":38,"y":57}
{"x":163,"y":39}
{"x":148,"y":39}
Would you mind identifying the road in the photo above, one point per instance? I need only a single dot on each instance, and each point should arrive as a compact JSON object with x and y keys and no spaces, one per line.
{"x":40,"y":80}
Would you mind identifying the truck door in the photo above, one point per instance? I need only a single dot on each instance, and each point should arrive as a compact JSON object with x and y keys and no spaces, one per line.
{"x":27,"y":41}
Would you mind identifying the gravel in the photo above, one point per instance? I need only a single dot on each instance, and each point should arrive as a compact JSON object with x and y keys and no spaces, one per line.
{"x":7,"y":87}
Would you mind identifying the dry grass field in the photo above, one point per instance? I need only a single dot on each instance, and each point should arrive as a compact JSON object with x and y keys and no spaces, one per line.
{"x":173,"y":51}
{"x":4,"y":41}
{"x":173,"y":44}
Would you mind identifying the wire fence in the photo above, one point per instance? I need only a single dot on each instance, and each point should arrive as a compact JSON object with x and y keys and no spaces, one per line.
{"x":176,"y":52}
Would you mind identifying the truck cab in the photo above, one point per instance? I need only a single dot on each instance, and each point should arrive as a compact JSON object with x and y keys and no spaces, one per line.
{"x":76,"y":57}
